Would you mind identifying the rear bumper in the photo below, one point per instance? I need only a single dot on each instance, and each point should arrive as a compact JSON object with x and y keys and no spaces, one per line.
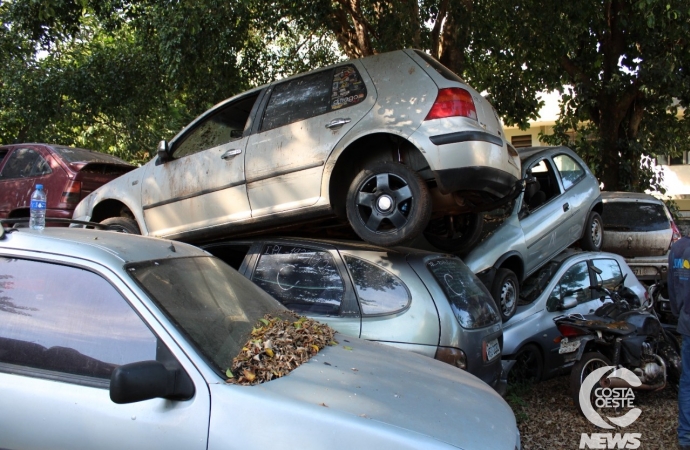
{"x":487,"y":179}
{"x":649,"y":268}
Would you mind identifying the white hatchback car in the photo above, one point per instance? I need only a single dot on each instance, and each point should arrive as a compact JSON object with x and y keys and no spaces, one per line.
{"x":396,"y":143}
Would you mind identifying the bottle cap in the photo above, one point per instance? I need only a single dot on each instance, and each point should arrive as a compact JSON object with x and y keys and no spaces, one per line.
{"x":39,"y":186}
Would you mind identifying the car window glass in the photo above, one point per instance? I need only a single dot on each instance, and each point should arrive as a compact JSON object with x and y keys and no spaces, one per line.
{"x":298,"y":99}
{"x":303,"y":279}
{"x":471,"y":303}
{"x":379,"y":291}
{"x":348,"y":88}
{"x":571,"y":172}
{"x":221,"y":127}
{"x":25,"y":163}
{"x":635,"y":216}
{"x":74,"y":155}
{"x":535,"y":284}
{"x":611,"y":274}
{"x":67,"y":319}
{"x":574,"y":283}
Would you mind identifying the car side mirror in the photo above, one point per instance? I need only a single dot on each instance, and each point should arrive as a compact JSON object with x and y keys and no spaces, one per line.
{"x":163,"y":149}
{"x":146,"y":380}
{"x":568,"y":302}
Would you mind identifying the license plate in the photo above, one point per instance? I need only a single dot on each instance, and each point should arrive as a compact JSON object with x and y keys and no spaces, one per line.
{"x":645,"y":271}
{"x":492,"y":349}
{"x":568,"y":346}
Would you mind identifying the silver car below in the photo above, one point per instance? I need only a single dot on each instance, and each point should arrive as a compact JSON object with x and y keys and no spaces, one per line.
{"x":562,"y":286}
{"x":561,"y":207}
{"x":428,"y":303}
{"x":114,"y":341}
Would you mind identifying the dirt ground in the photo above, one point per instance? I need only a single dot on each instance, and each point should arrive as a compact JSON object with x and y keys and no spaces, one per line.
{"x":548,"y":419}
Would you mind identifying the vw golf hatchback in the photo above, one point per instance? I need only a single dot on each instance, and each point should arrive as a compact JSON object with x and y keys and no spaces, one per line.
{"x":396,"y":144}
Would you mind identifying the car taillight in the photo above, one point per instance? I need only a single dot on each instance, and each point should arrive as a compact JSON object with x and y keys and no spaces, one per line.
{"x":453,"y":102}
{"x":453,"y":356}
{"x":568,"y":331}
{"x":72,"y":194}
{"x":676,"y":232}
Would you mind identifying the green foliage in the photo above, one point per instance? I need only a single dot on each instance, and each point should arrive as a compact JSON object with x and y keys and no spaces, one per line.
{"x":118,"y":75}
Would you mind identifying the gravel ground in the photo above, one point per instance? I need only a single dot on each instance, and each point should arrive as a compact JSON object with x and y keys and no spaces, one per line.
{"x":548,"y":419}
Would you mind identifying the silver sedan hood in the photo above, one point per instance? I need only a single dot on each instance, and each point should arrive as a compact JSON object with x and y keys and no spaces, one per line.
{"x":371,"y":395}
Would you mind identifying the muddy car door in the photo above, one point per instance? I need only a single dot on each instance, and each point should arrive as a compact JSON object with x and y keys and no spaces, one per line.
{"x":202,"y":183}
{"x":304,"y":119}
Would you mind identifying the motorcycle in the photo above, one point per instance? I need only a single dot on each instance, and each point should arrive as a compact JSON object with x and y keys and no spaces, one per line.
{"x":624,"y":333}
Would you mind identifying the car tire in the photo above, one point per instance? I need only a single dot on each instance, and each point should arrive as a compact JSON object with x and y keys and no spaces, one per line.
{"x":587,"y":364}
{"x":122,"y":225}
{"x":388,"y":204}
{"x":593,"y":236}
{"x":505,"y":290}
{"x":529,"y":365}
{"x":456,"y":234}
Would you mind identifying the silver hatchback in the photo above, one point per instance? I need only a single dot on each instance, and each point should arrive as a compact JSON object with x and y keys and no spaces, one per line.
{"x":562,"y":286}
{"x":393,"y":144}
{"x":428,"y":303}
{"x":114,"y":341}
{"x":560,"y":207}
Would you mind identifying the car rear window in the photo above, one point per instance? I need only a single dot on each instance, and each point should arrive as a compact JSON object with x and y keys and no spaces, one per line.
{"x":79,"y":155}
{"x":635,"y":216}
{"x":471,"y":302}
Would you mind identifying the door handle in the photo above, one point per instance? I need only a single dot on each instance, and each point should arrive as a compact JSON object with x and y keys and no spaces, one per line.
{"x":566,"y":207}
{"x":337,"y":123}
{"x":231,"y":153}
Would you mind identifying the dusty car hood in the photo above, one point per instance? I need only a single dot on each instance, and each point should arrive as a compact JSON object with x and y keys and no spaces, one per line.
{"x":374,"y":394}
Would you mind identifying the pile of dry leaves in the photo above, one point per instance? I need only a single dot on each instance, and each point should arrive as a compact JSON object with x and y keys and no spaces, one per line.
{"x":278,"y":346}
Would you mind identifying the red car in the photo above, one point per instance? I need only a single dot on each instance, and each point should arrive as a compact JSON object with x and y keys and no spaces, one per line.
{"x":67,"y":174}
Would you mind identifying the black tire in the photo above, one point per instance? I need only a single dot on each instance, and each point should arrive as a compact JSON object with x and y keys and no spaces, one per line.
{"x":505,"y":290}
{"x":122,"y":225}
{"x":593,"y":236}
{"x":673,"y":361}
{"x":587,"y":364}
{"x":456,"y":234}
{"x":388,"y":204}
{"x":529,"y":365}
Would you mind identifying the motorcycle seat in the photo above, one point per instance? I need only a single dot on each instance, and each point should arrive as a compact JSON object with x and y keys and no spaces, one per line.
{"x":618,"y":327}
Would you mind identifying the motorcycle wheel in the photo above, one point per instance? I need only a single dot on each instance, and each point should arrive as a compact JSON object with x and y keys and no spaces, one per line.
{"x":587,"y":364}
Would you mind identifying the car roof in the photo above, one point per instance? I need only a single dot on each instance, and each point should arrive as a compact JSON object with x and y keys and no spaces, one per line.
{"x":628,"y":196}
{"x":528,"y":152}
{"x":339,"y":244}
{"x":107,"y":247}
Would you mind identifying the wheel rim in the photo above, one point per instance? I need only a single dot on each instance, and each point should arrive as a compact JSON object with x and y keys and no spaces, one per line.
{"x":507,"y":296}
{"x":591,"y":366}
{"x":384,"y":202}
{"x":596,"y":232}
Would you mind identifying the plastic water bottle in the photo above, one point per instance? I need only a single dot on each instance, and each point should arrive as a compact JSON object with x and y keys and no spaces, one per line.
{"x":37,"y":218}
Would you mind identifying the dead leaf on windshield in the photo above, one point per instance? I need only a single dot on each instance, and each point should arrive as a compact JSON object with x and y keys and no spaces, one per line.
{"x":278,"y":346}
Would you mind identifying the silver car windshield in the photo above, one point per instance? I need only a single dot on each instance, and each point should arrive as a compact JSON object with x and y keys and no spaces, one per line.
{"x":471,"y":302}
{"x":208,"y":301}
